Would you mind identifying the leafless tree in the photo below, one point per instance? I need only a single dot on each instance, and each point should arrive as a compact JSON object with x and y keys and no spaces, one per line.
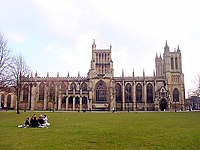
{"x":19,"y":70}
{"x":5,"y":64}
{"x":51,"y":94}
{"x":193,"y":101}
{"x":196,"y":81}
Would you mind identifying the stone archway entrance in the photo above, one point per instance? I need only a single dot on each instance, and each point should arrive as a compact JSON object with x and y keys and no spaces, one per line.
{"x":163,"y":104}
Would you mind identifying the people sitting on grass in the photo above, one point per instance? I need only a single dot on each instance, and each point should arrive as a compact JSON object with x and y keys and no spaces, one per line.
{"x":46,"y":123}
{"x":41,"y":122}
{"x":34,"y":121}
{"x":27,"y":123}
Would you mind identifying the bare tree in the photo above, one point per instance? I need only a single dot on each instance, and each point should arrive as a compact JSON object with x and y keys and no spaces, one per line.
{"x":51,"y":94}
{"x":5,"y":64}
{"x":196,"y":81}
{"x":19,"y":70}
{"x":193,"y":101}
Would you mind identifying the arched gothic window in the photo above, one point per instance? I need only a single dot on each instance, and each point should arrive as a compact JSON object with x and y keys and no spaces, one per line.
{"x":138,"y":93}
{"x":97,"y":57}
{"x":77,"y":100}
{"x":128,"y":97}
{"x":2,"y":100}
{"x":64,"y":99}
{"x":149,"y":93}
{"x":41,"y":91}
{"x":8,"y":100}
{"x":63,"y":88}
{"x":52,"y":91}
{"x":172,"y":63}
{"x":118,"y":91}
{"x":84,"y":86}
{"x":101,"y":94}
{"x":25,"y":92}
{"x":176,"y":95}
{"x":70,"y":100}
{"x":73,"y":86}
{"x":84,"y":100}
{"x":176,"y":63}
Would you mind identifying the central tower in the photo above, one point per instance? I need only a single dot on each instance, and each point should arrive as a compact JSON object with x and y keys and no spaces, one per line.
{"x":101,"y":63}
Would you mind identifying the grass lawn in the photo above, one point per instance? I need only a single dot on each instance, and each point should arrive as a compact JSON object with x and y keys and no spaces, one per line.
{"x":103,"y":130}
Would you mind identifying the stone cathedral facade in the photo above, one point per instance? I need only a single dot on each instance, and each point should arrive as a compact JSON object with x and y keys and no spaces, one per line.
{"x":101,"y":90}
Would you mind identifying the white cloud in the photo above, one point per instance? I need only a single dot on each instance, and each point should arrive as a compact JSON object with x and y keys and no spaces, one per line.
{"x":16,"y":37}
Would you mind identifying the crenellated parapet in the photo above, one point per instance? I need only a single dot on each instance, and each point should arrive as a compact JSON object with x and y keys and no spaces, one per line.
{"x":100,"y":90}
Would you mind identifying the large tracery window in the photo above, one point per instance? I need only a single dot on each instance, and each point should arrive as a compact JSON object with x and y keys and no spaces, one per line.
{"x":128,"y":93}
{"x":41,"y":92}
{"x":118,"y":91}
{"x":138,"y":93}
{"x":149,"y":93}
{"x":175,"y":95}
{"x":25,"y":92}
{"x":101,"y":94}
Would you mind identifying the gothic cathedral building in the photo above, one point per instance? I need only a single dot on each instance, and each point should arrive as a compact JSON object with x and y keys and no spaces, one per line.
{"x":101,"y":90}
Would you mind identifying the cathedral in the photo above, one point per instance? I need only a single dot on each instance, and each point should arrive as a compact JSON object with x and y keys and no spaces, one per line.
{"x":101,"y":90}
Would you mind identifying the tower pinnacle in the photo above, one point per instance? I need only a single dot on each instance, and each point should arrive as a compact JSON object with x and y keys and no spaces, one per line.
{"x":94,"y":45}
{"x":178,"y":49}
{"x":166,"y":48}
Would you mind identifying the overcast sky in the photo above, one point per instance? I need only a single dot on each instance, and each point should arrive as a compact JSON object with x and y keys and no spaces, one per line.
{"x":56,"y":35}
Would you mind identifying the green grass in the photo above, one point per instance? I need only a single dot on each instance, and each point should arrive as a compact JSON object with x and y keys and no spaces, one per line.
{"x":103,"y":130}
